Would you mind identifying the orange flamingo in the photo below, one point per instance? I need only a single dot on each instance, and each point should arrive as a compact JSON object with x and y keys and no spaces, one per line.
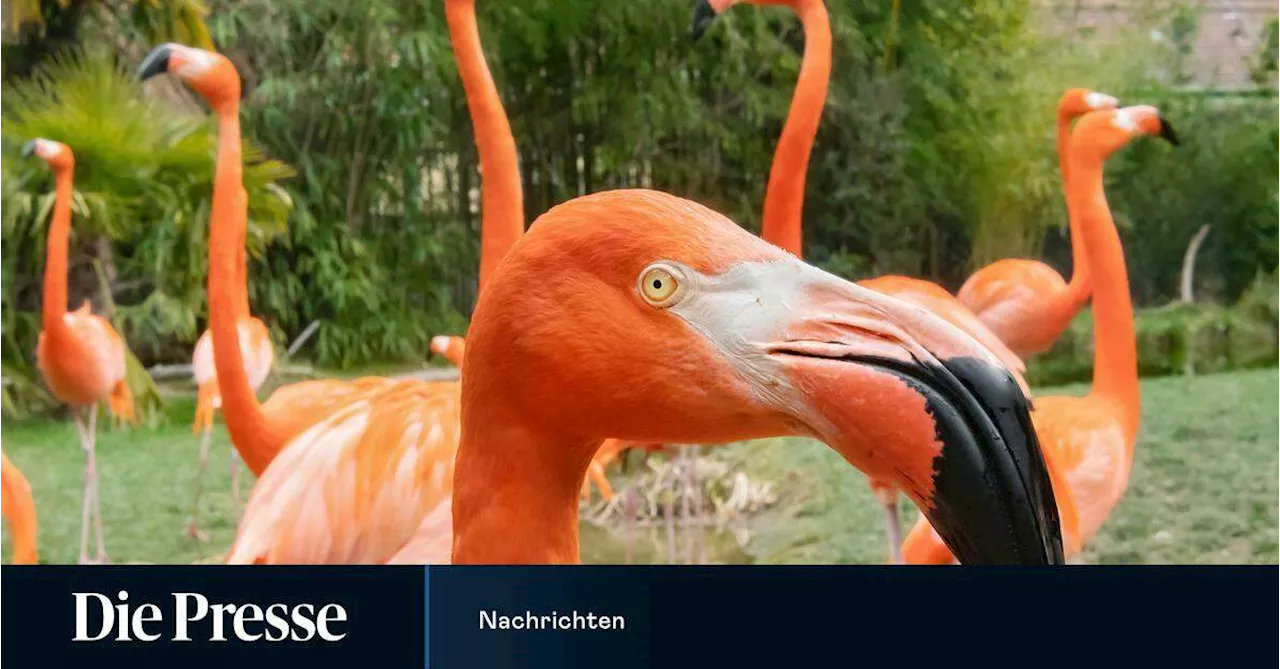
{"x":1089,"y":440}
{"x":20,"y":510}
{"x":255,"y":342}
{"x":647,"y":287}
{"x":80,"y":355}
{"x":349,"y":469}
{"x":1026,"y":303}
{"x":784,"y":199}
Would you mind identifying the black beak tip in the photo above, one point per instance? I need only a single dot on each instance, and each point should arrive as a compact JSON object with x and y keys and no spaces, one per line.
{"x":29,"y":149}
{"x":156,"y":62}
{"x":1005,"y":453}
{"x":1167,"y":133}
{"x":703,"y":15}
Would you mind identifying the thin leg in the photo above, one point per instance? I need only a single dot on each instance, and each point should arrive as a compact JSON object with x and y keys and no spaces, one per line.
{"x":235,"y":483}
{"x":101,"y":557}
{"x":193,"y":526}
{"x":86,"y":504}
{"x":629,"y":511}
{"x":686,"y":507}
{"x":668,"y":509}
{"x":893,"y":530}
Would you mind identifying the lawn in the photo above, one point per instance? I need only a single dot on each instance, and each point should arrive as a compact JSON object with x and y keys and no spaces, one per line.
{"x":1204,"y":486}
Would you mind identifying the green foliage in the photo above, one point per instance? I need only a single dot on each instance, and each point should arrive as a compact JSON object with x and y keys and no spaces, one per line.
{"x":1177,"y":338}
{"x":143,"y":179}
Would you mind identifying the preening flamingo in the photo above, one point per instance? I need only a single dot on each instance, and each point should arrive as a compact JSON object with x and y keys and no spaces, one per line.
{"x":259,"y":355}
{"x":784,"y":199}
{"x":721,"y":337}
{"x":20,"y":510}
{"x":80,"y":356}
{"x":369,"y":429}
{"x":1025,"y":302}
{"x":1088,"y":441}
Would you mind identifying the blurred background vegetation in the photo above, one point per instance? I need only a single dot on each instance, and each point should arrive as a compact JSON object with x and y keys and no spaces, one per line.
{"x":935,"y":156}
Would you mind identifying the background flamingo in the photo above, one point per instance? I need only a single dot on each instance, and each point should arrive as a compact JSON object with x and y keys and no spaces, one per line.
{"x":80,"y":356}
{"x":784,"y":200}
{"x":1089,"y":440}
{"x":255,"y":342}
{"x":1026,"y":303}
{"x":379,"y":427}
{"x":20,"y":510}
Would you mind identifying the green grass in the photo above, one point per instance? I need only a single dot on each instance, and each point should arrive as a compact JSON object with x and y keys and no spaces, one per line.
{"x":1204,"y":486}
{"x":1203,"y":489}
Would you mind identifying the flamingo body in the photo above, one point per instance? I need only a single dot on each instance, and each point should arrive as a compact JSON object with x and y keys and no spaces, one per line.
{"x":259,"y":356}
{"x":1025,"y":303}
{"x":20,"y":510}
{"x":355,"y":487}
{"x":84,"y":363}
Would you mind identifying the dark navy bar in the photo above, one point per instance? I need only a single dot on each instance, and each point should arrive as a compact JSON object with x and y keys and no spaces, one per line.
{"x":748,"y":616}
{"x":385,"y":616}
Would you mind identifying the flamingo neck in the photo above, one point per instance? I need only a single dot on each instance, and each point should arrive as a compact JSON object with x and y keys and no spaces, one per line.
{"x":515,"y":497}
{"x":20,"y":511}
{"x":54,"y":305}
{"x":1115,"y":365}
{"x":501,"y":199}
{"x":1078,"y":287}
{"x":251,"y":431}
{"x":784,"y":195}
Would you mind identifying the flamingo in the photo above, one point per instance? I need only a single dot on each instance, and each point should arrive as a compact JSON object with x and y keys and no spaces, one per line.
{"x":1026,"y":303}
{"x":1089,"y":440}
{"x":721,"y":337}
{"x":371,"y":428}
{"x":20,"y":510}
{"x":255,"y":342}
{"x":784,"y":200}
{"x":80,"y":356}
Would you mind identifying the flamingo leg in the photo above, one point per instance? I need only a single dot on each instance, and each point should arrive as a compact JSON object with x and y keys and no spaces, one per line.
{"x":235,"y":484}
{"x":193,"y":526}
{"x":86,"y":501}
{"x":668,"y":511}
{"x":893,"y":530}
{"x":629,"y":510}
{"x":101,"y":554}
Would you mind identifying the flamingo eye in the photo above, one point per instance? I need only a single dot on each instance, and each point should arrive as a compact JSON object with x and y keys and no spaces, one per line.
{"x":659,"y":285}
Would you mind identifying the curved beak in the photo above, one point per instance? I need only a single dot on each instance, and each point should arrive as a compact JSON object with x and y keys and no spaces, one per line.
{"x":1166,"y":132}
{"x":29,"y":149}
{"x":703,"y":15}
{"x":900,"y":393}
{"x":156,"y":62}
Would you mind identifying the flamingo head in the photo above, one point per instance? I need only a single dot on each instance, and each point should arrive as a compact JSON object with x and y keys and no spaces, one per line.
{"x":1098,"y":134}
{"x":211,"y":74}
{"x":646,"y":317}
{"x":56,"y":155}
{"x":452,"y":348}
{"x":1077,"y":102}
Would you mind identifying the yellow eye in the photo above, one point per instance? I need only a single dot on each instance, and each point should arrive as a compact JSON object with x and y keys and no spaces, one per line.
{"x":658,"y":285}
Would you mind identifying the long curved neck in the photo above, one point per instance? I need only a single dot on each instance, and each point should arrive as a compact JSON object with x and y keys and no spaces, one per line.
{"x":251,"y":430}
{"x":20,"y":510}
{"x":1078,"y":287}
{"x":54,"y":305}
{"x":1115,"y":364}
{"x":784,"y":196}
{"x":501,"y":199}
{"x":515,"y":496}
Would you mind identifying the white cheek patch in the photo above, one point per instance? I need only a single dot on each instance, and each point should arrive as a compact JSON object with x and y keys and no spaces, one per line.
{"x":744,"y":308}
{"x":1125,"y":120}
{"x":1100,"y":101}
{"x":194,"y":61}
{"x":47,"y":149}
{"x":440,"y":343}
